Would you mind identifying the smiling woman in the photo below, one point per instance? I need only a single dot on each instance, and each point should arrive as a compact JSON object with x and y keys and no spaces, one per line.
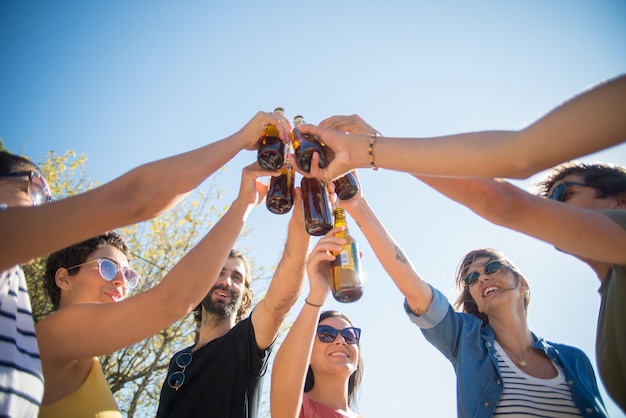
{"x":318,"y":368}
{"x":93,"y":271}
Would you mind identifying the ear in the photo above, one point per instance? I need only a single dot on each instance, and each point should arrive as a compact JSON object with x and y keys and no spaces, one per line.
{"x":62,"y":278}
{"x":524,"y":284}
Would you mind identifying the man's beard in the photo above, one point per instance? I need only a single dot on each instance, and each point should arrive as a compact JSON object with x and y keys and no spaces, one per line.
{"x":218,"y":307}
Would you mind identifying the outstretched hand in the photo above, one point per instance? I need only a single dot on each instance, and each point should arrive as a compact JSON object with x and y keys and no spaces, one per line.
{"x":252,"y":131}
{"x":318,"y":264}
{"x":348,"y":137}
{"x":252,"y":190}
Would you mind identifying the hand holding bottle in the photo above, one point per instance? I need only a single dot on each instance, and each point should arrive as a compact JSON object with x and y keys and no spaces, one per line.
{"x":253,"y":130}
{"x":252,"y":190}
{"x":349,"y":137}
{"x":318,"y":265}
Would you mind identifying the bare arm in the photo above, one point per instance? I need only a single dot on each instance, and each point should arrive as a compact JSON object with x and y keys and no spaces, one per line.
{"x":416,"y":291}
{"x":286,"y":284}
{"x":585,"y":233}
{"x":101,"y":328}
{"x":589,"y":122}
{"x":140,"y":194}
{"x":293,"y":357}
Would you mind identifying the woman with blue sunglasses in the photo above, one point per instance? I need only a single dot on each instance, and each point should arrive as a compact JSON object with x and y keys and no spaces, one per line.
{"x":89,"y":284}
{"x":318,"y":368}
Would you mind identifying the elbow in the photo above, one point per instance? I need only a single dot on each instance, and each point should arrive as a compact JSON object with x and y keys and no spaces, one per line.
{"x":501,"y":204}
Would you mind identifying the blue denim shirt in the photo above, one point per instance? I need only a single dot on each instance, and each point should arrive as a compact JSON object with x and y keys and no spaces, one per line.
{"x":470,"y":348}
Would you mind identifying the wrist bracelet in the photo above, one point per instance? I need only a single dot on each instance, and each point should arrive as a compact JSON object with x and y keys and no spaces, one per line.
{"x":312,"y":304}
{"x":370,"y":150}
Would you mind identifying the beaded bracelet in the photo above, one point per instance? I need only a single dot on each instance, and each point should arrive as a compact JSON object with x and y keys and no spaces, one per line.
{"x":312,"y":304}
{"x":370,"y":150}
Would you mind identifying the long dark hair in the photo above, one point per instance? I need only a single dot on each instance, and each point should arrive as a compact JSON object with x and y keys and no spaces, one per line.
{"x":354,"y":382}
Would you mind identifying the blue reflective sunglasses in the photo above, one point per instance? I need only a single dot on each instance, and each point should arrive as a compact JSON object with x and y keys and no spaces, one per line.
{"x":108,"y":269}
{"x":328,"y":334}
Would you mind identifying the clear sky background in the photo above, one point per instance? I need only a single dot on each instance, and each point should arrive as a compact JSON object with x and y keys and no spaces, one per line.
{"x":131,"y":82}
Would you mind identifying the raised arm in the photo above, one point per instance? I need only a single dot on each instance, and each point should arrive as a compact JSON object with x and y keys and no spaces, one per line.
{"x":586,"y":233}
{"x":416,"y":291}
{"x":293,"y":358}
{"x":112,"y":326}
{"x":286,"y":284}
{"x":589,"y":122}
{"x":140,"y":194}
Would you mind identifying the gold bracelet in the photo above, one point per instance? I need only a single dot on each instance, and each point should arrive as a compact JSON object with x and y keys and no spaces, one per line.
{"x":370,"y":149}
{"x":312,"y":304}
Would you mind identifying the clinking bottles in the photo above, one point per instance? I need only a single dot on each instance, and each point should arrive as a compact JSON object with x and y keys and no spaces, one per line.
{"x":271,"y":153}
{"x":316,"y":206}
{"x":345,"y":270}
{"x":280,"y":192}
{"x":304,"y":145}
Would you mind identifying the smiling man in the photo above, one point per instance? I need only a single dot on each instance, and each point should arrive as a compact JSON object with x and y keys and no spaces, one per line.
{"x":221,"y":374}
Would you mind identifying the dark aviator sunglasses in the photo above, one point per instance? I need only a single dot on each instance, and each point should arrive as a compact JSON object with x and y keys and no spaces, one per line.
{"x":328,"y":334}
{"x":492,"y":267}
{"x":560,"y":191}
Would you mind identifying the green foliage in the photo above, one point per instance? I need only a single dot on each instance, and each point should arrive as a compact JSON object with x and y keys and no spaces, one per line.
{"x":136,"y":373}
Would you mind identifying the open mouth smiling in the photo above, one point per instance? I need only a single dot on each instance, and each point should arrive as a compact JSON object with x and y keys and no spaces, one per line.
{"x":489,"y":290}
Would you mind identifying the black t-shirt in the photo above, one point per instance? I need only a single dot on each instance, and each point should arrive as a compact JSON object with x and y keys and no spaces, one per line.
{"x":223,"y":379}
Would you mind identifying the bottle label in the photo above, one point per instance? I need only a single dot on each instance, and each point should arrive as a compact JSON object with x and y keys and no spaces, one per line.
{"x":347,"y":256}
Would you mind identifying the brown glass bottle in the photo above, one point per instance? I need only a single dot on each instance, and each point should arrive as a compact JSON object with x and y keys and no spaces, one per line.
{"x":280,"y":192}
{"x":346,"y":187}
{"x":345,"y":270}
{"x":316,"y":206}
{"x":304,"y":145}
{"x":271,"y":153}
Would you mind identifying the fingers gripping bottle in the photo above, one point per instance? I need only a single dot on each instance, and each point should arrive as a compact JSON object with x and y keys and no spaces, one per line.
{"x":280,"y":192}
{"x":271,"y":153}
{"x":304,"y":145}
{"x":318,"y":214}
{"x":345,"y":271}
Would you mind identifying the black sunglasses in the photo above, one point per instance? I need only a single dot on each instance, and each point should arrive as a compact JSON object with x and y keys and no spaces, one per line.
{"x":328,"y":334}
{"x":560,"y":190}
{"x":38,"y":189}
{"x":176,"y":379}
{"x":492,"y":267}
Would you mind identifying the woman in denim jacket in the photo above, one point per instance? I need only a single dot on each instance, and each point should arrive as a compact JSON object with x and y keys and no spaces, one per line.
{"x":501,"y":366}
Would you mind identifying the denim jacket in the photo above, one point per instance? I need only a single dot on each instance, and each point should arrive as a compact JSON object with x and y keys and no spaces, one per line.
{"x":470,"y":348}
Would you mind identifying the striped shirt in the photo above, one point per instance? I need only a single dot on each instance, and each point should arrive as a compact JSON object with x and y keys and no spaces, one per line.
{"x":21,"y":378}
{"x":529,"y":396}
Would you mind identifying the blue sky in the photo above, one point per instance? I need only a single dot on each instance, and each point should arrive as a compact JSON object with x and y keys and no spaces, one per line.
{"x":130,"y":82}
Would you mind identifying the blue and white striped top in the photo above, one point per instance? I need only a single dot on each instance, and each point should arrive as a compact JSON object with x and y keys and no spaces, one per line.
{"x":529,"y":396}
{"x":21,"y":378}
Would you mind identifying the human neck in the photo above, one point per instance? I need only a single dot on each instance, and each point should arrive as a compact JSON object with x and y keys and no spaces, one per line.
{"x":330,"y":391}
{"x":212,"y":327}
{"x":516,"y":340}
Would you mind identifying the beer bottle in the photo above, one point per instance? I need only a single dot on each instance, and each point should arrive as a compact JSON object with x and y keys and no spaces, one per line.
{"x":346,"y":187}
{"x":280,"y":192}
{"x":304,"y":145}
{"x":271,"y":153}
{"x":345,"y":270}
{"x":316,"y":206}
